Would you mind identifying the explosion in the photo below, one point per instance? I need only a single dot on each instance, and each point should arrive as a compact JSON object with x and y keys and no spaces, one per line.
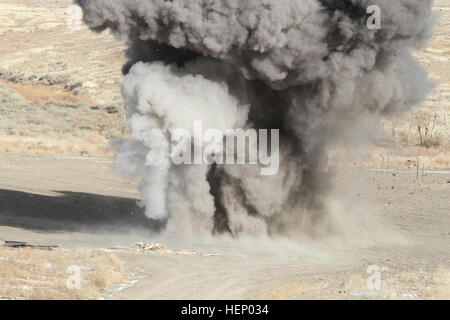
{"x":311,"y":69}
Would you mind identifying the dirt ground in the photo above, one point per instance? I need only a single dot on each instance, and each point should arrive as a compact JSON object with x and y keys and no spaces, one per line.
{"x":387,"y":220}
{"x":60,"y":105}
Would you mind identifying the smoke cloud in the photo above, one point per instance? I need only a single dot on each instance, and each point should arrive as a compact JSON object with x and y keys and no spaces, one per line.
{"x":311,"y":68}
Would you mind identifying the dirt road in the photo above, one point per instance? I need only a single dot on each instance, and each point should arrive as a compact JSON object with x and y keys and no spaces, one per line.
{"x":384,"y":219}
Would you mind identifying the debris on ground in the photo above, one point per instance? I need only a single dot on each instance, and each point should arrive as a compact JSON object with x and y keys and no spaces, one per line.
{"x":149,"y":246}
{"x":158,"y":247}
{"x":20,"y":244}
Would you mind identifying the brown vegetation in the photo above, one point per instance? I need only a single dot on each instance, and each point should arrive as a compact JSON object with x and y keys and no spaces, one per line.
{"x":42,"y":275}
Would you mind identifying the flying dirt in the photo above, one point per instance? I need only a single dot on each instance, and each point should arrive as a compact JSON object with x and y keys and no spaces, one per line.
{"x":310,"y":68}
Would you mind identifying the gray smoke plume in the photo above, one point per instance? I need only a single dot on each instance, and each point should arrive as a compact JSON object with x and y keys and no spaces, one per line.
{"x":311,"y":68}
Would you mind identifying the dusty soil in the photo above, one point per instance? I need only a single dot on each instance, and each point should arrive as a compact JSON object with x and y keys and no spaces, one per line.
{"x":387,"y":219}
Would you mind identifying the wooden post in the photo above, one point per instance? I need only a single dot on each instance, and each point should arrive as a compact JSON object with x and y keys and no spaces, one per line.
{"x":417,"y":164}
{"x":423,"y":170}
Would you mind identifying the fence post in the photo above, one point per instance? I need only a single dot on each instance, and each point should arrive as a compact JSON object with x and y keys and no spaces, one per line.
{"x":423,"y":170}
{"x":417,"y":165}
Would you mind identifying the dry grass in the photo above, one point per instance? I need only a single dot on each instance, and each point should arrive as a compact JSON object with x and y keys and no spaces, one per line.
{"x":395,"y":158}
{"x":40,"y":274}
{"x":55,"y":127}
{"x":93,"y":145}
{"x":441,"y":289}
{"x":419,"y":284}
{"x":47,"y":47}
{"x":287,"y":292}
{"x":42,"y":94}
